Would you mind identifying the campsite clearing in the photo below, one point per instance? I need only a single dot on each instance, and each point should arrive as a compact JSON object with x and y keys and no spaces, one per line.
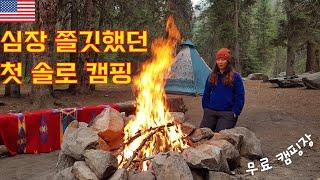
{"x":279,"y":117}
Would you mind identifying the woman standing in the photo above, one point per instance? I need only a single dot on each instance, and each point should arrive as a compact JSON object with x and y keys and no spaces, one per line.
{"x":223,"y":97}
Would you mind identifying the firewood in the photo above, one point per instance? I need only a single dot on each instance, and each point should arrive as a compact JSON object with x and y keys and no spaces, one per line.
{"x":139,"y":148}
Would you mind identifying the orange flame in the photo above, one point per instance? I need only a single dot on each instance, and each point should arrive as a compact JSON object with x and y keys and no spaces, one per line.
{"x":151,"y":111}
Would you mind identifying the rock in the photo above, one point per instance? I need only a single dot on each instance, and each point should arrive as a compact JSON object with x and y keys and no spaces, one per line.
{"x":206,"y":156}
{"x":234,"y":139}
{"x":312,"y":81}
{"x":82,"y":171}
{"x":103,"y":145}
{"x":290,"y":81}
{"x":258,"y":76}
{"x":178,"y":117}
{"x":120,"y":174}
{"x":251,"y":145}
{"x":282,"y":74}
{"x":228,"y":151}
{"x":187,"y":128}
{"x":115,"y":143}
{"x":197,"y":174}
{"x":201,"y":133}
{"x":287,"y":83}
{"x":213,"y":175}
{"x":64,"y":161}
{"x":243,"y":165}
{"x":109,"y":124}
{"x":65,"y":174}
{"x":145,"y":175}
{"x":102,"y":163}
{"x":76,"y":141}
{"x":171,"y":165}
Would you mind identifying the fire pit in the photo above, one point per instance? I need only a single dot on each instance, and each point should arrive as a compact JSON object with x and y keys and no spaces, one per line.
{"x":153,"y":143}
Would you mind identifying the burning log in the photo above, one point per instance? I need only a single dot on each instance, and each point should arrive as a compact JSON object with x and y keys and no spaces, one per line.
{"x":175,"y":104}
{"x":138,"y":149}
{"x":152,"y":131}
{"x":139,"y":133}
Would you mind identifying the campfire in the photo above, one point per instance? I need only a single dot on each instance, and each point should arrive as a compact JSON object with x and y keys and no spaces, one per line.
{"x":153,"y":129}
{"x":156,"y":142}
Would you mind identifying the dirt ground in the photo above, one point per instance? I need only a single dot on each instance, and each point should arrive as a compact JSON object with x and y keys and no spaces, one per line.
{"x":279,"y":117}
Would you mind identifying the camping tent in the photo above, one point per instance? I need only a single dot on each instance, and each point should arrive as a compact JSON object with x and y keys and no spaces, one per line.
{"x":188,"y":73}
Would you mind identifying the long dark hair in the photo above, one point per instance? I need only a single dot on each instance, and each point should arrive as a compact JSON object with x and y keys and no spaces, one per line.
{"x":227,"y":80}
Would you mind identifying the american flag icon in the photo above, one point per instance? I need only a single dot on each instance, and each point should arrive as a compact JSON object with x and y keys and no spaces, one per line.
{"x":17,"y":10}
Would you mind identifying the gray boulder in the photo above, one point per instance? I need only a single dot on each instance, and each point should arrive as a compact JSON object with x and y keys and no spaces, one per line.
{"x":145,"y":175}
{"x":77,"y":140}
{"x":187,"y":128}
{"x":198,"y":174}
{"x":258,"y":76}
{"x":213,"y":175}
{"x":289,"y":81}
{"x":228,"y":151}
{"x":251,"y":145}
{"x":64,"y":161}
{"x":82,"y":172}
{"x":234,"y":139}
{"x":312,"y":81}
{"x":65,"y":174}
{"x":206,"y":156}
{"x":102,"y":163}
{"x":171,"y":166}
{"x":201,"y":133}
{"x":120,"y":174}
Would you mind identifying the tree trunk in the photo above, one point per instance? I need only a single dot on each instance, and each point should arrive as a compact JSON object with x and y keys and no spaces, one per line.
{"x":46,"y":20}
{"x":311,"y":63}
{"x":317,"y":54}
{"x":89,"y":24}
{"x":12,"y":89}
{"x":276,"y":69}
{"x":290,"y":38}
{"x":74,"y":26}
{"x":290,"y":58}
{"x":237,"y":46}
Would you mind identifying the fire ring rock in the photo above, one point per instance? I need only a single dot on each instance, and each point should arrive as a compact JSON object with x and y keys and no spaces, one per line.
{"x":120,"y":174}
{"x":76,"y":142}
{"x":102,"y":163}
{"x":234,"y":139}
{"x":229,"y":152}
{"x":82,"y":172}
{"x":145,"y":175}
{"x":206,"y":156}
{"x":201,"y":133}
{"x":171,"y":165}
{"x":65,"y":174}
{"x":251,"y":145}
{"x":109,"y":124}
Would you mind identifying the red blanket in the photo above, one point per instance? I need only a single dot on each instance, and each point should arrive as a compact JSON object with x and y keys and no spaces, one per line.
{"x":42,"y":131}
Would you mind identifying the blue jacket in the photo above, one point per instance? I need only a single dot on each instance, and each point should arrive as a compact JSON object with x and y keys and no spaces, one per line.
{"x":224,"y":98}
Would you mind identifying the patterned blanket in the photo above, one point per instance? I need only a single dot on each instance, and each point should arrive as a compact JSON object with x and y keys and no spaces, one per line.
{"x":42,"y":131}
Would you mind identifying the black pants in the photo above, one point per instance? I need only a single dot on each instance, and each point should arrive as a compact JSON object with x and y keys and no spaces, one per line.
{"x":218,"y":120}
